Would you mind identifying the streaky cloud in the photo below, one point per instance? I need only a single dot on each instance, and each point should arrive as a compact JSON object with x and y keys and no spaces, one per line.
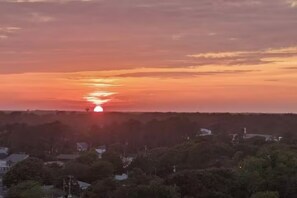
{"x":181,"y":74}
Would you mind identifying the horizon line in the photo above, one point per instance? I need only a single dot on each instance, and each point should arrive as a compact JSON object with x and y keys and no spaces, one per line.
{"x":160,"y":112}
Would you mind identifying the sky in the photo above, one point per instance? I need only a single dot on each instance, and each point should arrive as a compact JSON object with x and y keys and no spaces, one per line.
{"x":149,"y":55}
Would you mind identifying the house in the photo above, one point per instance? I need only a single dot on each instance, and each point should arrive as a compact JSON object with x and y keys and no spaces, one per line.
{"x":4,"y":167}
{"x":122,"y":177}
{"x":15,"y":158}
{"x":3,"y":152}
{"x":83,"y":185}
{"x":266,"y":137}
{"x":82,"y":146}
{"x":205,"y":132}
{"x":100,"y":150}
{"x":10,"y":161}
{"x":246,"y":136}
{"x":67,"y":157}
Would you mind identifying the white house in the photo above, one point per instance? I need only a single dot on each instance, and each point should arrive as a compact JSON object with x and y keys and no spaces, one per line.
{"x":4,"y":150}
{"x":205,"y":132}
{"x":100,"y":150}
{"x":122,"y":177}
{"x":266,"y":137}
{"x":246,"y":136}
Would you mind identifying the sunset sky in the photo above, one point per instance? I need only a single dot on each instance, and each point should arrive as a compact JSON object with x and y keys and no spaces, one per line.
{"x":149,"y":55}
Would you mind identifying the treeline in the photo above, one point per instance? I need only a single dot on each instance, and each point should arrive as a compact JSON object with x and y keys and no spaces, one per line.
{"x":221,"y":122}
{"x":41,"y":141}
{"x":132,"y":136}
{"x":50,"y":139}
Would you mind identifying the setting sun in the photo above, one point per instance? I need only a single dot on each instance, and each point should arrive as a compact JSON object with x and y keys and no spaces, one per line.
{"x":98,"y":109}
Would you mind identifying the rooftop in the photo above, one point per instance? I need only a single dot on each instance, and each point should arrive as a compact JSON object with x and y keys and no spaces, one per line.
{"x":15,"y":158}
{"x":83,"y":185}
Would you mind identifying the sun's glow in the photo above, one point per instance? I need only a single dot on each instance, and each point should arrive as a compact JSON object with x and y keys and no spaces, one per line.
{"x":98,"y":109}
{"x":99,"y":97}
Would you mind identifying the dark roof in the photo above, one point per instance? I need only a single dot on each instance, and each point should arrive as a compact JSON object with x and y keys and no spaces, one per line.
{"x":15,"y":158}
{"x":82,"y":145}
{"x":3,"y":155}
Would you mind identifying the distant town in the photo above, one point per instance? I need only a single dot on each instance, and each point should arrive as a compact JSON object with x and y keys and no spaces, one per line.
{"x":66,"y":154}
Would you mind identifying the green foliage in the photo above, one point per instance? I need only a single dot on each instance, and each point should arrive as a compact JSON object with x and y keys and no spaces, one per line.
{"x":100,"y":170}
{"x":153,"y":190}
{"x":26,"y":189}
{"x":54,"y":174}
{"x":42,"y":141}
{"x":115,"y":160}
{"x":238,"y":156}
{"x":137,"y":176}
{"x":209,"y":154}
{"x":189,"y":155}
{"x":144,"y":163}
{"x":29,"y":169}
{"x":88,"y":158}
{"x":274,"y":168}
{"x":117,"y":148}
{"x":207,"y":183}
{"x":267,"y":194}
{"x":89,"y":170}
{"x":102,"y":189}
{"x":78,"y":170}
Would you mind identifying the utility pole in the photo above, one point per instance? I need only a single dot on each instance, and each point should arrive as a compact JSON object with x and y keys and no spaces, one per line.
{"x":69,"y":189}
{"x":65,"y":185}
